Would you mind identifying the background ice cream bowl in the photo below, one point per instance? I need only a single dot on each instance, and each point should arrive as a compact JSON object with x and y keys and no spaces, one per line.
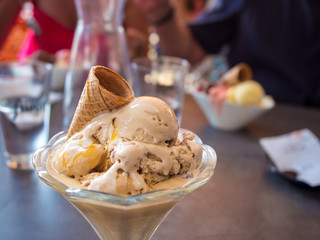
{"x":230,"y":116}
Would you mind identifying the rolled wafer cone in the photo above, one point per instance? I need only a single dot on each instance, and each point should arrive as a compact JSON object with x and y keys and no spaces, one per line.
{"x":239,"y":73}
{"x":104,"y":90}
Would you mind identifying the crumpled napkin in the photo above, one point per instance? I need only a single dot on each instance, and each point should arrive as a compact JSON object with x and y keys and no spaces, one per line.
{"x":297,"y":152}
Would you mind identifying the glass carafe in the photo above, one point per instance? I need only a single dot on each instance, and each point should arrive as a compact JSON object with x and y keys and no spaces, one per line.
{"x":99,"y":40}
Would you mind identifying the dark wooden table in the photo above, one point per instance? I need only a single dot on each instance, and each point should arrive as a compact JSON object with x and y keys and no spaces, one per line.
{"x":243,"y":200}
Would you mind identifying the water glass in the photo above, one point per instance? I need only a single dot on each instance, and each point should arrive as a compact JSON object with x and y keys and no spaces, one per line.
{"x":164,"y":78}
{"x":24,"y":110}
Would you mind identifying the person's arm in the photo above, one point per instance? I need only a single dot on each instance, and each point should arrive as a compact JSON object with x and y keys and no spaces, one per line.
{"x":9,"y":10}
{"x":175,"y":37}
{"x":137,"y":30}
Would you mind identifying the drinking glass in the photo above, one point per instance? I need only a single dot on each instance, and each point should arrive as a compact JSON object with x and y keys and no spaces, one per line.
{"x":118,"y":217}
{"x":24,"y":110}
{"x":164,"y":78}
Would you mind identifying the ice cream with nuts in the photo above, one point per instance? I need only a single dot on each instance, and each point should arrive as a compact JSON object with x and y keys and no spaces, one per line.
{"x":123,"y":145}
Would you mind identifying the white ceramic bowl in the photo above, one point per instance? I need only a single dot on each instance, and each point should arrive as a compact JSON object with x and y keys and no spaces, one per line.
{"x":231,"y":117}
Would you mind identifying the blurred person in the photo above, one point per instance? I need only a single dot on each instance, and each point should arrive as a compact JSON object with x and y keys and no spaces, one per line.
{"x":279,"y":39}
{"x":189,"y":10}
{"x":137,"y":30}
{"x":52,"y":24}
{"x":51,"y":27}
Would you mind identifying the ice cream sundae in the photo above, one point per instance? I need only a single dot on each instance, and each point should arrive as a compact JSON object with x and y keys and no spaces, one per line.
{"x":125,"y":149}
{"x":124,"y":163}
{"x":234,"y":100}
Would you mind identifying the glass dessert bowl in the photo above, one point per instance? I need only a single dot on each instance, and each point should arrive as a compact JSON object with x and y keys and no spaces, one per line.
{"x":123,"y":217}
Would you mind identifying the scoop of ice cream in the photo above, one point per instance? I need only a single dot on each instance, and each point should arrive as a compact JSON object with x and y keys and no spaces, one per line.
{"x":78,"y":156}
{"x":246,"y":93}
{"x":218,"y":95}
{"x":136,"y":166}
{"x":146,"y":119}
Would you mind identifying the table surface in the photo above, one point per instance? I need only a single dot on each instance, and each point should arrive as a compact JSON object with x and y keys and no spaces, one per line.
{"x":243,"y":200}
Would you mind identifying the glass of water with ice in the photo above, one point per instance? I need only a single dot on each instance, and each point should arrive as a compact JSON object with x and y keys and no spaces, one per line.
{"x":163,"y":77}
{"x":24,"y":110}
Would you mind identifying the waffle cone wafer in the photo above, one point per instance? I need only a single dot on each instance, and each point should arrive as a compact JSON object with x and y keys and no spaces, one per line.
{"x":239,"y":73}
{"x":104,"y":90}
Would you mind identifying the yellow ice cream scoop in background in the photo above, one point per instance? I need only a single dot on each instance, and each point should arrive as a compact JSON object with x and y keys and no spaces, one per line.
{"x":246,"y":93}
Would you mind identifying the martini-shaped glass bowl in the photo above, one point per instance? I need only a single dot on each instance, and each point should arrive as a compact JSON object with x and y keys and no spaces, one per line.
{"x":118,"y":217}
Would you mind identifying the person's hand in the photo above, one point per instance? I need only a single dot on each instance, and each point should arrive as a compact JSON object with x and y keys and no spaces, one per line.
{"x":154,"y":9}
{"x":137,"y":43}
{"x":43,"y":56}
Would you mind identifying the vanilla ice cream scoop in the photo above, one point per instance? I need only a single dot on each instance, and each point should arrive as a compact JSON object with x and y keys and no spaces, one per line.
{"x":246,"y":93}
{"x":148,"y":120}
{"x":78,"y":156}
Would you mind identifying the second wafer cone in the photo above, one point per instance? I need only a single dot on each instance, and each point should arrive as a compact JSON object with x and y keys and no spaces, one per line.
{"x":239,"y":73}
{"x":104,"y":90}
